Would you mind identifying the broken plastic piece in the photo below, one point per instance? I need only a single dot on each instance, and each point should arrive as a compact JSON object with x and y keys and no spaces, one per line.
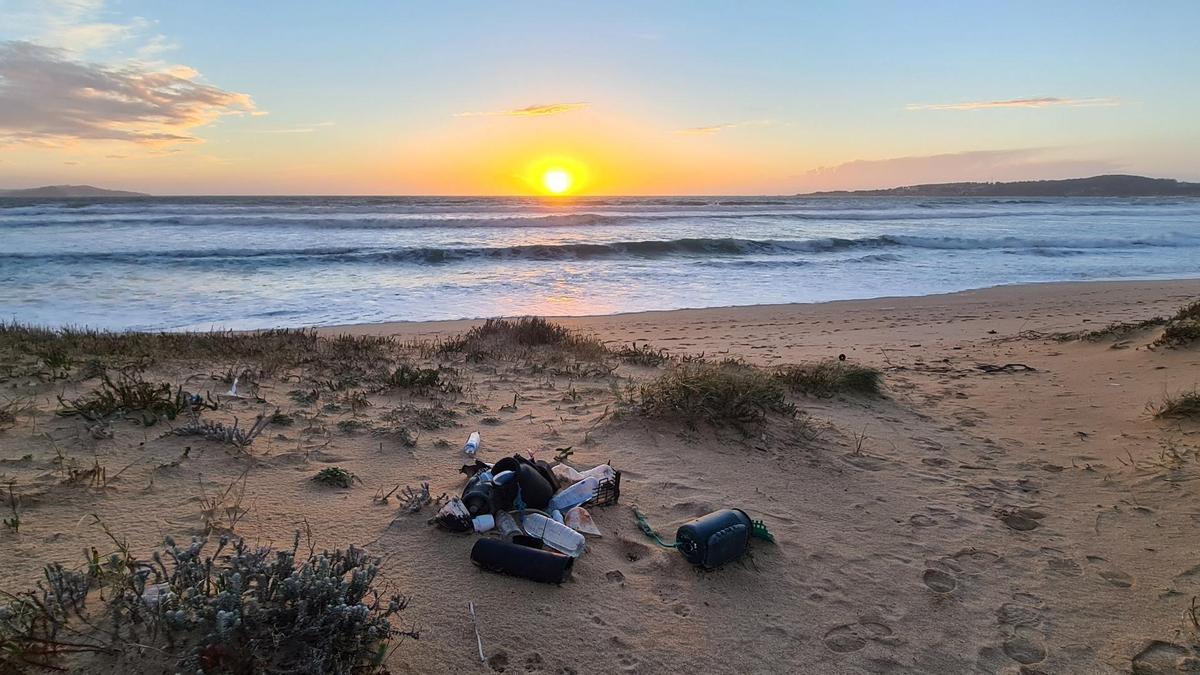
{"x":454,"y":516}
{"x":580,"y":520}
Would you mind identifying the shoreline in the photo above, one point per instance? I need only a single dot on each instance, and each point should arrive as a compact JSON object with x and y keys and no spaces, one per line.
{"x":1000,"y":292}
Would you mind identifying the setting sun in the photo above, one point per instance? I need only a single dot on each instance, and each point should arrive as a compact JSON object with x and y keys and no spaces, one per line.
{"x":557,"y":181}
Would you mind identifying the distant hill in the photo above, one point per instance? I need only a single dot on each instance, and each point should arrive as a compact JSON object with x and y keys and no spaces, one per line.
{"x":1096,"y":186}
{"x":68,"y":191}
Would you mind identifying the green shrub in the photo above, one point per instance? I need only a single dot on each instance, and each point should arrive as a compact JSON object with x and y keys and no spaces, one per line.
{"x":335,"y":476}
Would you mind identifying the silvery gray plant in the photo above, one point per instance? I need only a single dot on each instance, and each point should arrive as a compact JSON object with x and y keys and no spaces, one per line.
{"x":240,"y":609}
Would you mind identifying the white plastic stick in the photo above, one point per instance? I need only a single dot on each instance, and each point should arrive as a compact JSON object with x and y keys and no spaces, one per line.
{"x":478,"y":640}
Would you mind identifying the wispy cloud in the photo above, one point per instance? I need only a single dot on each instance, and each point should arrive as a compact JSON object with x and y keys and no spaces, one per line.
{"x":1037,"y":102}
{"x":717,"y":128}
{"x":306,"y":129}
{"x":50,"y":98}
{"x":536,"y":110}
{"x":79,"y":25}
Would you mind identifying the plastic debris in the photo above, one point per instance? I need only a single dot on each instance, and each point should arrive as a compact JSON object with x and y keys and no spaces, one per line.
{"x":577,"y":494}
{"x":483,"y":523}
{"x":522,"y":561}
{"x":580,"y":520}
{"x":472,"y":445}
{"x":566,"y":475}
{"x":715,"y":539}
{"x":507,"y":525}
{"x":556,"y":535}
{"x":454,"y":516}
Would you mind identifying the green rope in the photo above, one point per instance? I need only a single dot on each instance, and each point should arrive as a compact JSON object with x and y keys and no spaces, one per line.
{"x":644,"y":526}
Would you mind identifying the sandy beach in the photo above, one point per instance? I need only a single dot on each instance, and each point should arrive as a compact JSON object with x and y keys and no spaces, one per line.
{"x":1010,"y":504}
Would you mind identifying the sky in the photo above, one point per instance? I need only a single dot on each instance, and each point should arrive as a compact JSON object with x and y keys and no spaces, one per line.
{"x":485,"y":98}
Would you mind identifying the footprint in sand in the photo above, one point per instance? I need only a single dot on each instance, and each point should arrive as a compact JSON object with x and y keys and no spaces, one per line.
{"x":1019,"y":519}
{"x":1160,"y":658}
{"x":921,"y":520}
{"x":1013,"y":614}
{"x":615,"y":576}
{"x":851,"y":637}
{"x":939,"y":581}
{"x":498,"y":661}
{"x":1024,"y":650}
{"x":1117,"y":578}
{"x":534,"y":663}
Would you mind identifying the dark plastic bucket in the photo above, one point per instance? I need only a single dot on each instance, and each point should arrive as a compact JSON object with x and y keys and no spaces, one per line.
{"x":713,"y":540}
{"x":521,"y":561}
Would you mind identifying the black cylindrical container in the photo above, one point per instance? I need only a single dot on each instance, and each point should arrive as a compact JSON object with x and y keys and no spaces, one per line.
{"x":713,"y":540}
{"x":478,"y":494}
{"x":521,"y":561}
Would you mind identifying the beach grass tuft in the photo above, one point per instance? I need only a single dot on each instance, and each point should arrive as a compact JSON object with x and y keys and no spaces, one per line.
{"x":1185,"y":404}
{"x":831,"y":377}
{"x":335,"y":476}
{"x":641,"y":355}
{"x":727,"y":393}
{"x":131,"y":396}
{"x":516,"y":338}
{"x":1183,"y":328}
{"x":1113,"y":331}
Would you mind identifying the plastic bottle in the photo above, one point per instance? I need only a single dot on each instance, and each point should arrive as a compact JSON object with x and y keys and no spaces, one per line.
{"x":483,"y":523}
{"x":507,"y":525}
{"x":557,"y":516}
{"x":574,"y":495}
{"x":472,"y":445}
{"x":556,"y":535}
{"x":601,"y":473}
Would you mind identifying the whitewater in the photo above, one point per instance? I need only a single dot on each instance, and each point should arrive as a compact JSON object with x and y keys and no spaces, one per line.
{"x":253,"y":262}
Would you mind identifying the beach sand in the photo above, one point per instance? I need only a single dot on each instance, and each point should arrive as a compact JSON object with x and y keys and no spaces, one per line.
{"x":968,"y":521}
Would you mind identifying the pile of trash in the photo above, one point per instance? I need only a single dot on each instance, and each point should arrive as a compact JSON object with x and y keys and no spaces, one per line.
{"x":537,"y":508}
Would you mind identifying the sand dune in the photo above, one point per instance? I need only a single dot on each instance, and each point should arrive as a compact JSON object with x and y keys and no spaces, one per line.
{"x":969,"y":521}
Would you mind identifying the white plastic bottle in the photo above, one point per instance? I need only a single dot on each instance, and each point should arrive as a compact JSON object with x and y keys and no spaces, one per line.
{"x":507,"y":525}
{"x":574,"y":495}
{"x":601,"y":473}
{"x":472,"y":445}
{"x":556,"y":535}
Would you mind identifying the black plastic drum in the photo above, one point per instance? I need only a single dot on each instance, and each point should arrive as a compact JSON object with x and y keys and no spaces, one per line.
{"x":713,"y":540}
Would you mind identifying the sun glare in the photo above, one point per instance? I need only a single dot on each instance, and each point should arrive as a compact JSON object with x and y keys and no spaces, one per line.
{"x":556,"y":181}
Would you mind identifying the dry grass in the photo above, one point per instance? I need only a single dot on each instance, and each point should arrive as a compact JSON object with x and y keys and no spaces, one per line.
{"x":55,"y":351}
{"x":519,"y":338}
{"x":828,"y":378}
{"x":1113,"y":331}
{"x":641,"y":355}
{"x":1185,"y":405}
{"x":728,"y":393}
{"x":131,"y":396}
{"x":1183,"y":328}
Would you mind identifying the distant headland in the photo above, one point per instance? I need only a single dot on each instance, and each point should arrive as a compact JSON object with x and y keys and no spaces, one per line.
{"x":1096,"y":186}
{"x":68,"y":192}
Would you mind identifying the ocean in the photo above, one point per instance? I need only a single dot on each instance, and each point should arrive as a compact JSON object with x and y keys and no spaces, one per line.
{"x":252,"y":262}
